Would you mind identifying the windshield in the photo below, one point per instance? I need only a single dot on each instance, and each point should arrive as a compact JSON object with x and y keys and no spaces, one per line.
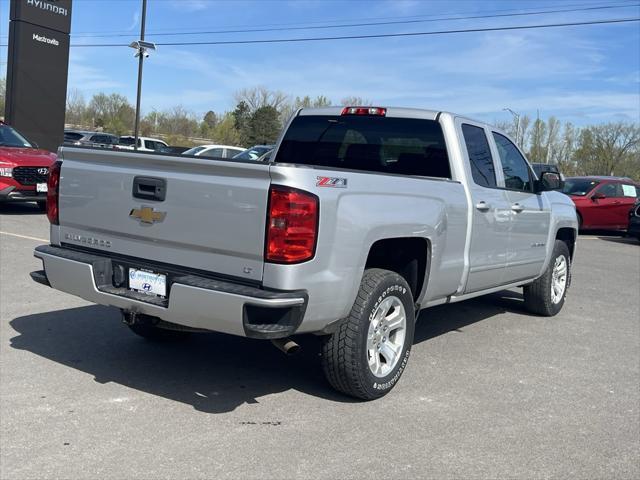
{"x":579,"y":186}
{"x":252,"y":153}
{"x":194,"y":150}
{"x":11,"y":138}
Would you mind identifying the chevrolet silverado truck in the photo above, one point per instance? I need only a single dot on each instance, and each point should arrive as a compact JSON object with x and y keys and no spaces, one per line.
{"x":362,"y":217}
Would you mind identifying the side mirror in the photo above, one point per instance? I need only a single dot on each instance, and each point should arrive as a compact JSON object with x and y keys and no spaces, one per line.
{"x":598,"y":196}
{"x":549,"y":181}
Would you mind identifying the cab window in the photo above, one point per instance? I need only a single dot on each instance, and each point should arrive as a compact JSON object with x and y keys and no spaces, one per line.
{"x":480,"y":158}
{"x":517,"y":175}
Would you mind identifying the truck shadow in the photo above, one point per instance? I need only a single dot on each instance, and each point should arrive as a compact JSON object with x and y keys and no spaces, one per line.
{"x":26,"y":208}
{"x":214,"y":373}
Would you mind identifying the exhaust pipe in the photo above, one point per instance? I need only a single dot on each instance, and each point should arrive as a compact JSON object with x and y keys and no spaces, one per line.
{"x":286,"y":345}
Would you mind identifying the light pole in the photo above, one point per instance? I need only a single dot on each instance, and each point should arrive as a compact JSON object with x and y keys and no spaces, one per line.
{"x":142,"y":50}
{"x":517,"y":116}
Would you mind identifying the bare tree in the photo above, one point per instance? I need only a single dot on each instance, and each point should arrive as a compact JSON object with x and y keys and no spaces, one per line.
{"x":258,"y":97}
{"x":354,"y":101}
{"x":76,"y":111}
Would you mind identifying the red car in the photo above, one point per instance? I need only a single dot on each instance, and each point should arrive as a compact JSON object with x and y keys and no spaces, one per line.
{"x":24,"y":168}
{"x":602,"y":202}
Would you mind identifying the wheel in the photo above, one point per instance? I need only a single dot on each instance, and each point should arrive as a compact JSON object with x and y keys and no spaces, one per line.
{"x":547,"y":294}
{"x":366,"y":356}
{"x":42,"y":206}
{"x":148,"y":329}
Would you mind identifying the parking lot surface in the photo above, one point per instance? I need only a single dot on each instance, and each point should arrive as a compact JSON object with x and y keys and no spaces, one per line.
{"x":489,"y":391}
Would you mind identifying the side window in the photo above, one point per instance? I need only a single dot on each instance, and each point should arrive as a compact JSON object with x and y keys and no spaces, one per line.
{"x":630,"y":191}
{"x":517,"y":175}
{"x":610,"y":190}
{"x":482,"y":169}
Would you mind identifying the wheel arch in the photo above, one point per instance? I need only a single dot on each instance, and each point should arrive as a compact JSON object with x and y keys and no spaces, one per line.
{"x":410,"y":257}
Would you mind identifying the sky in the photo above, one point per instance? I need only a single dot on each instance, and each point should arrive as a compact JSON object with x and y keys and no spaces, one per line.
{"x":583,"y":74}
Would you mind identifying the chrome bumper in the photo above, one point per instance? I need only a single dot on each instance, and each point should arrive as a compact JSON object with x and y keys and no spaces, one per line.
{"x":194,"y":301}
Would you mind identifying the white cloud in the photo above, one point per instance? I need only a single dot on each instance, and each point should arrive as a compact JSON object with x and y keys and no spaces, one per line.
{"x":87,"y":78}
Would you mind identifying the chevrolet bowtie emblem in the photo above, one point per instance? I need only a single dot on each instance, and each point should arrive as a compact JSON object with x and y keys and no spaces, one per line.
{"x":147,"y":215}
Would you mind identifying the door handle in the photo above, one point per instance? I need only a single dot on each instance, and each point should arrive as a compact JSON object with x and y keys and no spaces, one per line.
{"x":149,"y":188}
{"x":483,"y":206}
{"x":516,"y":207}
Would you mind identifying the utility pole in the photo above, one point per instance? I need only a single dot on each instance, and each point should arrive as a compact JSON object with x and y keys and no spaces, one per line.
{"x":141,"y":54}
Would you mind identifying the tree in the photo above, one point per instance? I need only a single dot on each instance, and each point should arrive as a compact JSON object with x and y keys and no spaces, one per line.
{"x":210,"y":119}
{"x":354,"y":101}
{"x":264,"y":126}
{"x":258,"y":97}
{"x":242,"y":117}
{"x":225,"y":131}
{"x":178,"y":121}
{"x":609,"y":149}
{"x":112,"y":112}
{"x":537,"y":150}
{"x":76,"y":110}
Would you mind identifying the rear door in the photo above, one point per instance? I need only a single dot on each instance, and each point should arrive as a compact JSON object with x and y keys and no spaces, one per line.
{"x":612,"y":210}
{"x":212,"y":216}
{"x":530,"y":214}
{"x":490,"y":212}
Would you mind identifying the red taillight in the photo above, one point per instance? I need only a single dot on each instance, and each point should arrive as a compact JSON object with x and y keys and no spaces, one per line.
{"x":381,"y":112}
{"x":292,"y":225}
{"x":52,"y":192}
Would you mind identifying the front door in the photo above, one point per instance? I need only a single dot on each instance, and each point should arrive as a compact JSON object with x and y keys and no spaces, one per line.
{"x":491,"y":215}
{"x":530,"y":214}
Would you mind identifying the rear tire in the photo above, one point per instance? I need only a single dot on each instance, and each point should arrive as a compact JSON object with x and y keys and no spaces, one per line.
{"x":366,"y":357}
{"x":547,"y":294}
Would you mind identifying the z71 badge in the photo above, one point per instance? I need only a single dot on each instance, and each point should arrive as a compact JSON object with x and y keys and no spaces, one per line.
{"x":334,"y":182}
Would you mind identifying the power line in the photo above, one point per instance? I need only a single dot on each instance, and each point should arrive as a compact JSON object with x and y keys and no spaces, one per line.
{"x":367,"y":24}
{"x":380,"y":35}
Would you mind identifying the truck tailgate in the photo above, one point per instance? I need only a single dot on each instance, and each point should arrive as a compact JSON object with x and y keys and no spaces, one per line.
{"x":212,"y":217}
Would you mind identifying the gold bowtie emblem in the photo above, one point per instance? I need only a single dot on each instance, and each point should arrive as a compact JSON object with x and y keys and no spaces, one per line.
{"x":147,"y":215}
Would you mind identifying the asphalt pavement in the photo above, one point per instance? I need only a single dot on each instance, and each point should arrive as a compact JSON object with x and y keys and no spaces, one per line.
{"x":489,"y":392}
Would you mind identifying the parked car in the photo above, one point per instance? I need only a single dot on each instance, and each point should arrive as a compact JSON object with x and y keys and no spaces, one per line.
{"x":257,"y":153}
{"x":538,"y":168}
{"x":173,"y":150}
{"x":214,"y":151}
{"x":81,"y":138}
{"x":602,"y":202}
{"x":145,"y":144}
{"x":363,"y":216}
{"x":633,"y":229}
{"x":24,"y":168}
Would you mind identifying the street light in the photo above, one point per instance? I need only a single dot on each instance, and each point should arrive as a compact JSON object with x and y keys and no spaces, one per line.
{"x":517,"y":116}
{"x":142,"y":51}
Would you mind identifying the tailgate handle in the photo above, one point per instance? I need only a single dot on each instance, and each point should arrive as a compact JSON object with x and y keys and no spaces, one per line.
{"x":150,"y":188}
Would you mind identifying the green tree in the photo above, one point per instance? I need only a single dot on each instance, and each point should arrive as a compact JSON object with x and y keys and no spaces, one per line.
{"x":112,"y":112}
{"x":609,"y":149}
{"x":225,"y":131}
{"x":264,"y":126}
{"x":242,"y":118}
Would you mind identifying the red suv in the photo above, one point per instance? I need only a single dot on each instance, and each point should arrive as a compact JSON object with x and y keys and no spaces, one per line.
{"x":23,"y":168}
{"x":602,"y":202}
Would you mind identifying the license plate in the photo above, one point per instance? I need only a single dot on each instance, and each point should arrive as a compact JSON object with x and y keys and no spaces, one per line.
{"x":41,"y":187}
{"x":148,"y":282}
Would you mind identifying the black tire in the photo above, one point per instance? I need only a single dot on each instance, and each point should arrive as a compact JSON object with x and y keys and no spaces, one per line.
{"x":345,"y":357}
{"x":579,"y":222}
{"x":42,"y":206}
{"x":537,"y":295}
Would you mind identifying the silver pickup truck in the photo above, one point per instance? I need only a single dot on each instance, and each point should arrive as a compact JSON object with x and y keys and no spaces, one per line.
{"x":362,"y":217}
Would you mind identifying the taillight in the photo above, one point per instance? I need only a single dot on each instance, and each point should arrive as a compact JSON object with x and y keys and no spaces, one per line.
{"x":53,"y":183}
{"x":381,"y":112}
{"x":292,"y":225}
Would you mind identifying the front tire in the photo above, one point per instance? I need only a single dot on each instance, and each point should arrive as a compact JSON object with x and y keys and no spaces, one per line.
{"x":547,"y":294}
{"x":368,"y":353}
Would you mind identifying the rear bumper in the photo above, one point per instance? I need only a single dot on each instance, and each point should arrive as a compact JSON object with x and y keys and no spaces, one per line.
{"x":14,"y":194}
{"x":193,"y":301}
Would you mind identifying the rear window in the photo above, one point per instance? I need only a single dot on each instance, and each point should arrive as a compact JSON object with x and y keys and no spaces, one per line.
{"x":73,"y":136}
{"x":404,"y":146}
